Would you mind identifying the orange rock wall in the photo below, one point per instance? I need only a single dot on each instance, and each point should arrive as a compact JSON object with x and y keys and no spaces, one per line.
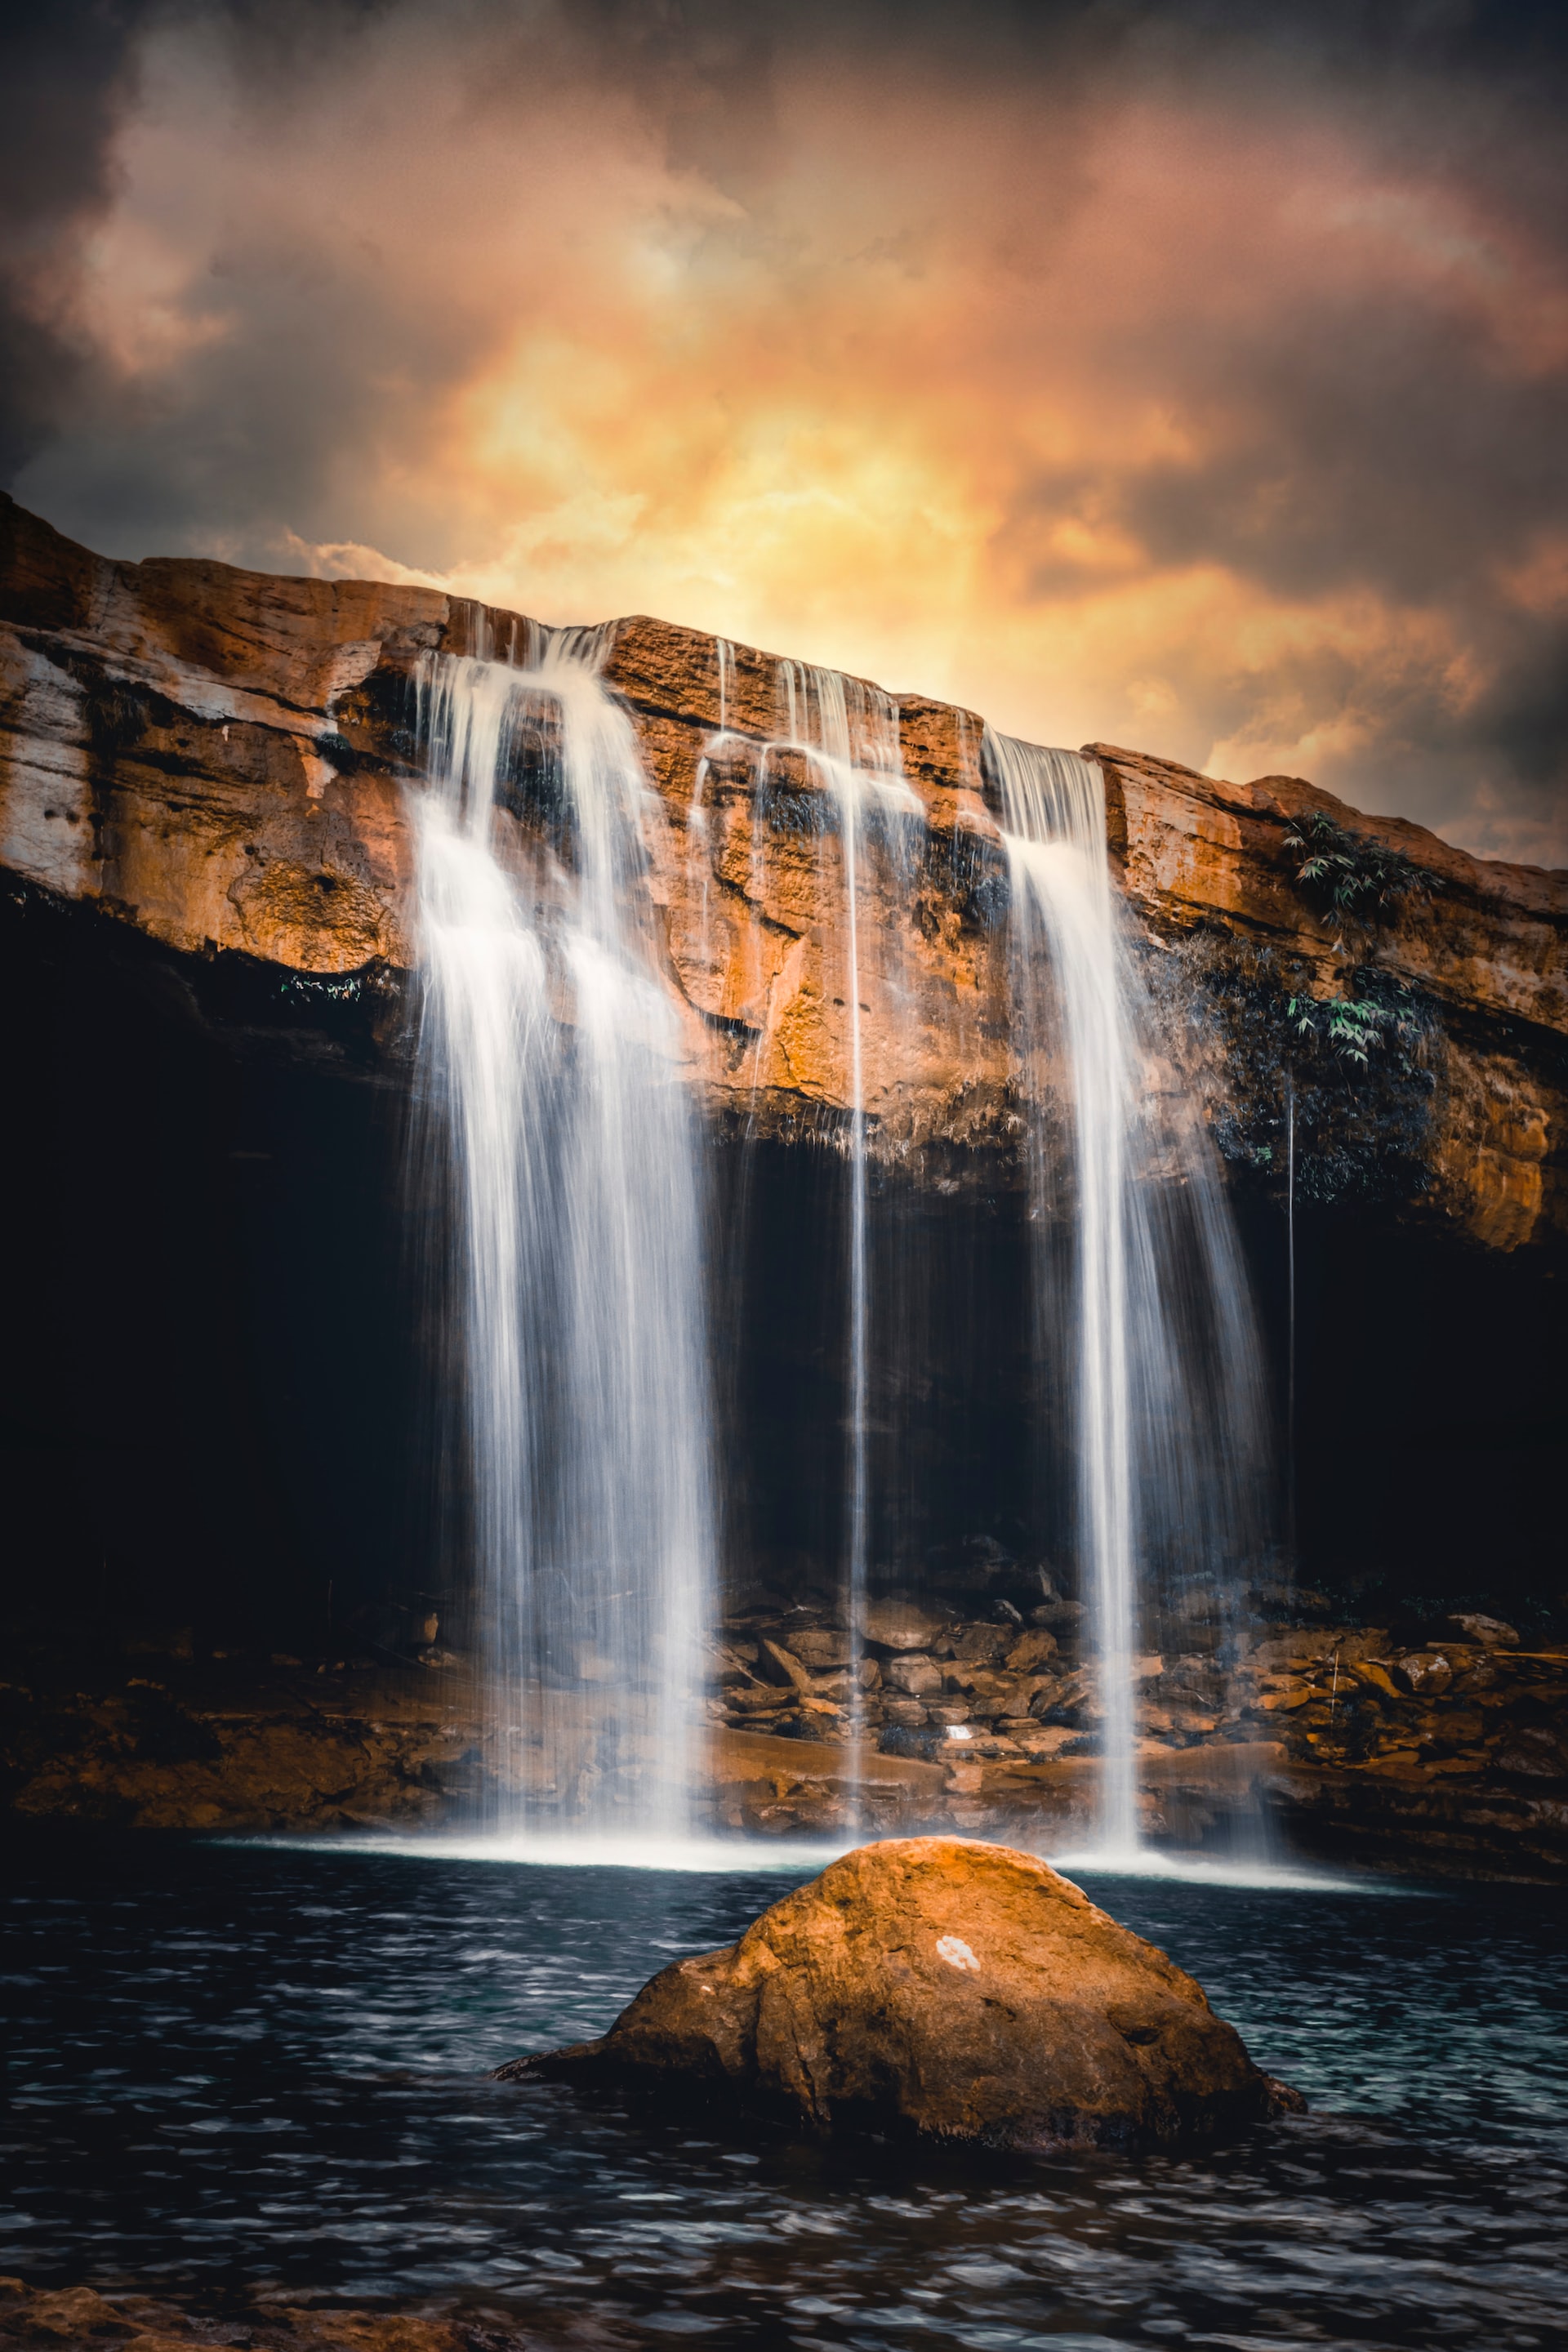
{"x":222,"y":759}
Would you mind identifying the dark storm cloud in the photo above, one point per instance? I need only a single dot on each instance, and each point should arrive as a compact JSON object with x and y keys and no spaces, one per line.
{"x":67,"y":71}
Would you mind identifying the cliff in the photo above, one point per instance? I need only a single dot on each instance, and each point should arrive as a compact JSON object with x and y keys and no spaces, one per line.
{"x":221,"y":760}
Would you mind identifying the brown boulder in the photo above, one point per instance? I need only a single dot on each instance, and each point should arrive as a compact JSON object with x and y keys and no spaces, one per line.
{"x":1487,"y":1632}
{"x":1425,"y":1671}
{"x":901,"y":1623}
{"x":914,"y":1673}
{"x":1030,"y":1651}
{"x":71,"y":2311}
{"x":950,"y":1987}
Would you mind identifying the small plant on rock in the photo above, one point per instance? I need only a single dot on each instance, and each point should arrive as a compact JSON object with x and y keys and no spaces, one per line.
{"x":1351,"y":879}
{"x":1352,"y":1026}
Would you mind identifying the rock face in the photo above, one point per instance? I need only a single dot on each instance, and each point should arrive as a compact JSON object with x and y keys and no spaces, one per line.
{"x":953,"y":1988}
{"x":78,"y":2319}
{"x":223,"y":760}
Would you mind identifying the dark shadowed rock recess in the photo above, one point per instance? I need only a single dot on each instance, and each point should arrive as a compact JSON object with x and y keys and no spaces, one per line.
{"x":946,"y":1987}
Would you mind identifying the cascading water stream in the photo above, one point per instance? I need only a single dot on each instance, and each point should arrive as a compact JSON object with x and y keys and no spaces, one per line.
{"x":1054,"y":812}
{"x":551,"y":1064}
{"x":1164,"y":1381}
{"x":1291,"y":1499}
{"x":831,"y":769}
{"x":850,"y":731}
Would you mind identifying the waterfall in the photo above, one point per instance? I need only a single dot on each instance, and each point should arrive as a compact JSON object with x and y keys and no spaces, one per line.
{"x":1053,"y":813}
{"x":550,"y":1063}
{"x":829,"y":773}
{"x":850,"y":731}
{"x":1291,"y":1561}
{"x":1163,"y":1380}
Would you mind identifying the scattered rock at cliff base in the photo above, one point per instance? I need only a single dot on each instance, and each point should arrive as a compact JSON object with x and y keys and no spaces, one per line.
{"x":949,"y":1987}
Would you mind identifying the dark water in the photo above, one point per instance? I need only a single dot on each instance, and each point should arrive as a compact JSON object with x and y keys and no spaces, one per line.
{"x":240,"y":2067}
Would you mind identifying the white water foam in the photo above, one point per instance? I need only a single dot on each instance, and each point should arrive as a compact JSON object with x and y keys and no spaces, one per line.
{"x":565,"y":1850}
{"x":742,"y":1857}
{"x":1165,"y":1386}
{"x":559,"y":1121}
{"x":1144,"y":1861}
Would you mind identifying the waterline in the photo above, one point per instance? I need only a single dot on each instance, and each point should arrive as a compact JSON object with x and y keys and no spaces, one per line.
{"x":742,"y":1856}
{"x":1144,"y":1862}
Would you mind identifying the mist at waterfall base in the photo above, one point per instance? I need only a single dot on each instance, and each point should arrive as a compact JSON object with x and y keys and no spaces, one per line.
{"x":232,"y":2068}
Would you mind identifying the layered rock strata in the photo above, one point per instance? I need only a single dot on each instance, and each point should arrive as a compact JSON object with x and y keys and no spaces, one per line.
{"x":224,"y":760}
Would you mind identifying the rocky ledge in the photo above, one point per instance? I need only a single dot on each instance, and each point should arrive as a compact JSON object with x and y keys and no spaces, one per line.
{"x":1434,"y":1751}
{"x":1437,"y":1748}
{"x":223,"y":760}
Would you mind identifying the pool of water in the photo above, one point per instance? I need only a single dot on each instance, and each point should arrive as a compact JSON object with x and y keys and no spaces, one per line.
{"x":236,"y":2067}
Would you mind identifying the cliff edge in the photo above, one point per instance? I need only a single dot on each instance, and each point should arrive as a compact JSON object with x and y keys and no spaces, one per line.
{"x":222,"y":760}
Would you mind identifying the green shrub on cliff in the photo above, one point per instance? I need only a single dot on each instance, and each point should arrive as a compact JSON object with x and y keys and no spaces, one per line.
{"x":1354,"y":1025}
{"x":1349,"y":877}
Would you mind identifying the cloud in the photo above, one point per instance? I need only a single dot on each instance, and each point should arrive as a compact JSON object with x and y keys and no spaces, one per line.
{"x":1194,"y":377}
{"x":69,"y":72}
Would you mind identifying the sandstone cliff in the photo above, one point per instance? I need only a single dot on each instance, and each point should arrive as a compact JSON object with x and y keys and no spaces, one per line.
{"x":222,"y":760}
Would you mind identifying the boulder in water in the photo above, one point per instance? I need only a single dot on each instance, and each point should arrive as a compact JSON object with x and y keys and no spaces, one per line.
{"x":949,"y":1987}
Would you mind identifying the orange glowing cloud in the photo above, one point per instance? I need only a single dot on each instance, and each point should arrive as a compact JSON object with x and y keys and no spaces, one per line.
{"x":1136,"y":409}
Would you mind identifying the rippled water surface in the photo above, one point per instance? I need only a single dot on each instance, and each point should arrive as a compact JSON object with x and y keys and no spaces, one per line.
{"x":232,"y":2066}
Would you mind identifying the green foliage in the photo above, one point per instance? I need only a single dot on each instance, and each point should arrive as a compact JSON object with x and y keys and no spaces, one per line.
{"x":1353,"y":1026}
{"x":1353,"y":879}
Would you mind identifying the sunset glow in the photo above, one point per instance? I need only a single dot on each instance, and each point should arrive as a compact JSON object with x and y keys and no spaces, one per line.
{"x":1206,"y":406}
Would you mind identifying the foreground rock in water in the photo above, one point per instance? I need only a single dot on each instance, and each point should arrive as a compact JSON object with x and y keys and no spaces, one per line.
{"x":963,"y":1990}
{"x":79,"y":2319}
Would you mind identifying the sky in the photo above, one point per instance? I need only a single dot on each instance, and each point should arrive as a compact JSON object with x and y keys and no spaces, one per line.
{"x":1192,"y":377}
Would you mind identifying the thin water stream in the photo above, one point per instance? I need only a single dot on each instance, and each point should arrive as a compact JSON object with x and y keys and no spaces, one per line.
{"x":1054,"y":811}
{"x":1167,"y":1435}
{"x":831,"y":769}
{"x":850,"y":731}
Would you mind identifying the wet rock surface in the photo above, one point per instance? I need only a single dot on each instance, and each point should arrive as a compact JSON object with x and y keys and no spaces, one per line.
{"x":80,"y":2319}
{"x":1433,"y":1758}
{"x":951,"y":1988}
